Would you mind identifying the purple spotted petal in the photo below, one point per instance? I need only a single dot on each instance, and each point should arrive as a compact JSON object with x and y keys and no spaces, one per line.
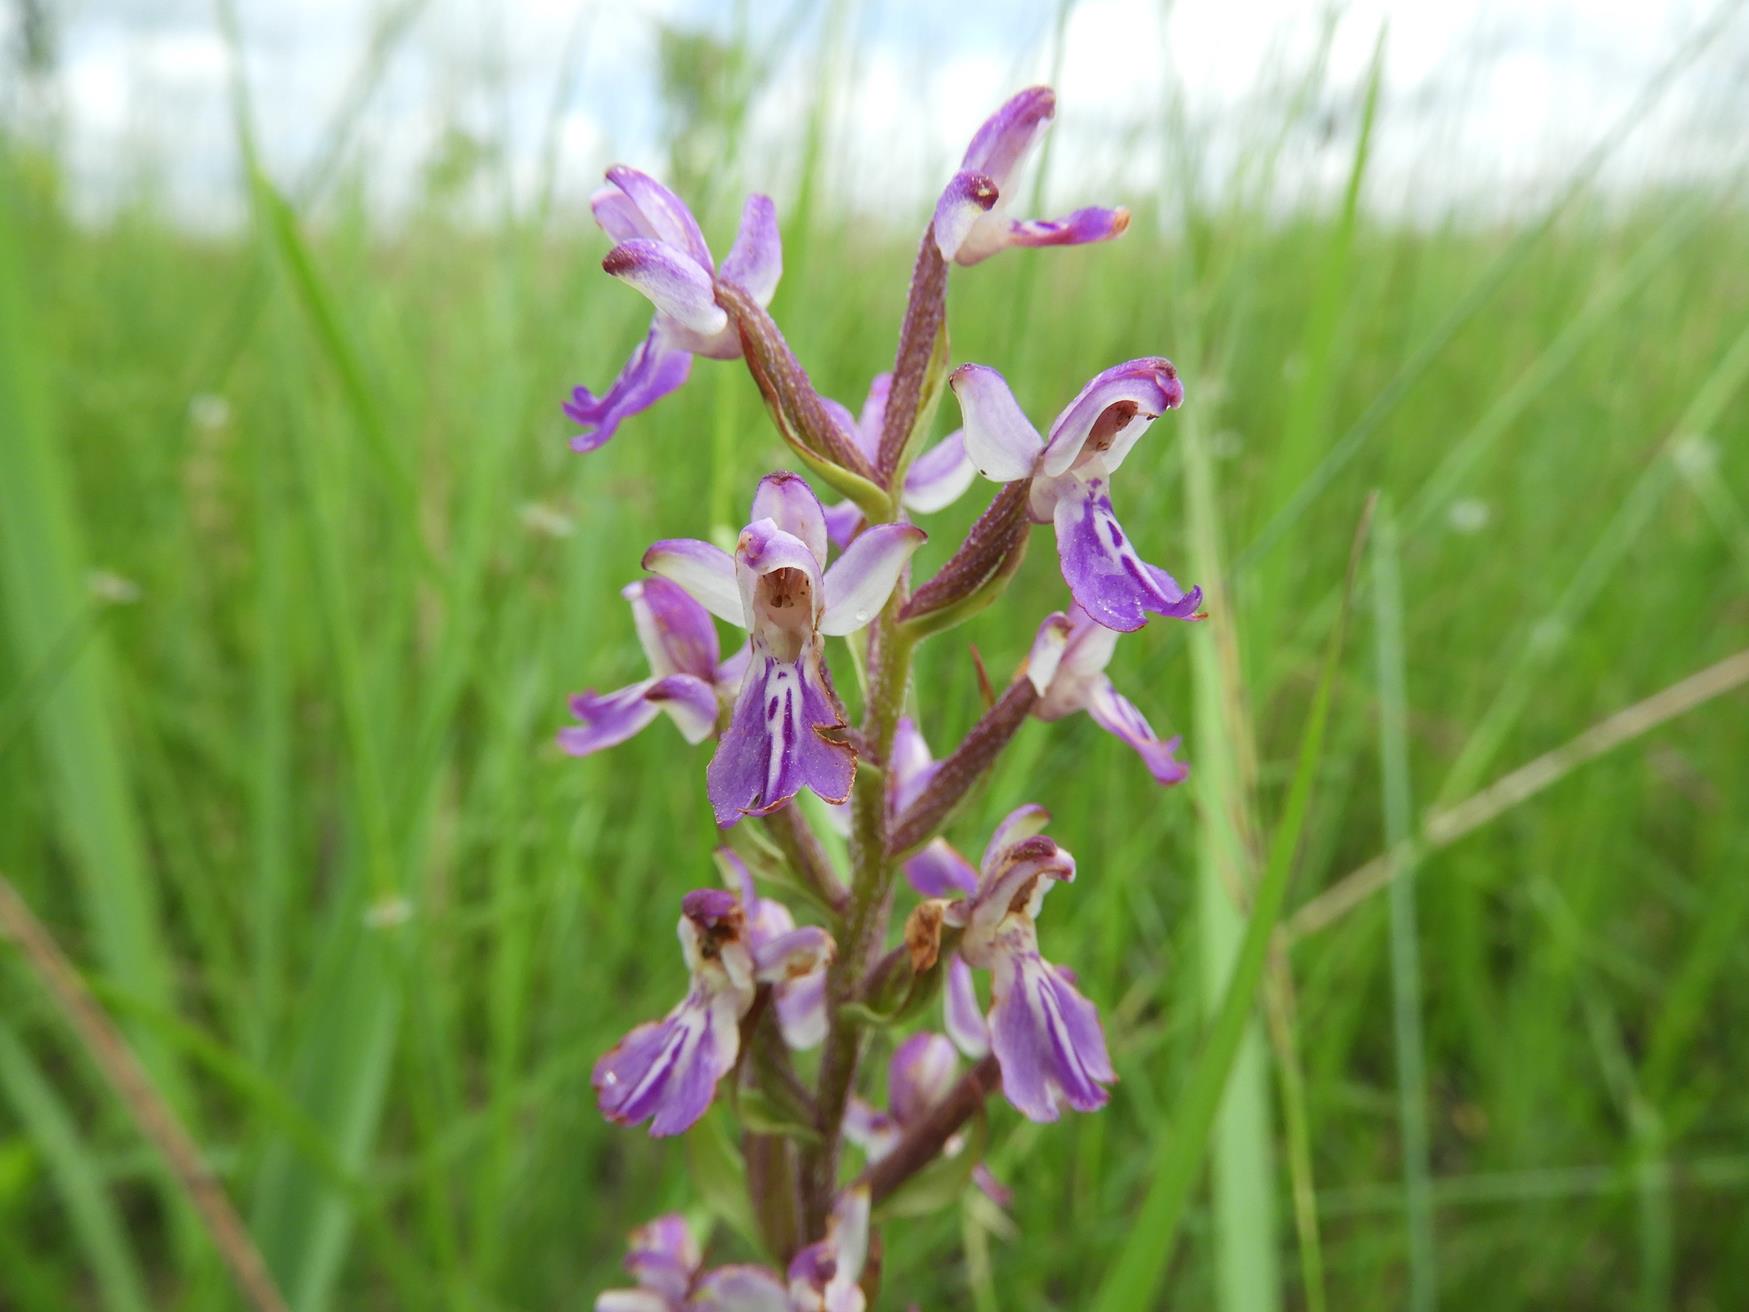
{"x":843,"y":520}
{"x":939,"y":476}
{"x":1115,"y":714}
{"x":1047,"y":1039}
{"x":707,"y":573}
{"x":1009,"y":134}
{"x":666,"y":1071}
{"x":788,"y":501}
{"x":690,"y":702}
{"x":608,"y":718}
{"x":939,"y":871}
{"x":675,"y":632}
{"x":1113,"y":410}
{"x":774,"y":746}
{"x":995,"y":232}
{"x":755,"y":262}
{"x":999,"y":439}
{"x":960,"y":1010}
{"x":664,"y":215}
{"x":969,"y":195}
{"x":739,"y":1289}
{"x":921,"y":1075}
{"x":1108,"y":579}
{"x":674,"y":283}
{"x":656,"y":368}
{"x":861,"y":580}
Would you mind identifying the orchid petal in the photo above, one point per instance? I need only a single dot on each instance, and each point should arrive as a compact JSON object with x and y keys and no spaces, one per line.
{"x":689,"y":701}
{"x":739,"y":1289}
{"x":1115,"y":714}
{"x":1047,"y":1039}
{"x":608,"y":718}
{"x":707,"y":572}
{"x":1113,"y":584}
{"x":666,"y":1071}
{"x":1018,"y":825}
{"x":674,"y":284}
{"x":842,"y":522}
{"x":872,"y":421}
{"x":788,"y":501}
{"x":1046,"y":654}
{"x":938,"y":476}
{"x":1001,"y":442}
{"x":801,"y":1010}
{"x":755,"y":261}
{"x":964,"y":201}
{"x":1118,"y":405}
{"x":964,"y":1017}
{"x":909,"y":765}
{"x":940,"y":871}
{"x":793,"y":954}
{"x":920,"y":1076}
{"x":776,"y":742}
{"x":782,"y":593}
{"x":993,"y":233}
{"x":664,"y":1256}
{"x":666,"y":215}
{"x":1009,"y":134}
{"x":869,"y":1129}
{"x":655,"y":369}
{"x":861,"y":580}
{"x":675,"y":632}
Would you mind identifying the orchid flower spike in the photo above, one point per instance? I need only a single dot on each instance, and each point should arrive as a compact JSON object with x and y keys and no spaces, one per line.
{"x":971,"y":220}
{"x":665,"y":1261}
{"x":935,"y":480}
{"x":1067,"y":669}
{"x":824,"y":1276}
{"x":1046,"y":1036}
{"x":662,"y":253}
{"x":668,"y":1069}
{"x":1071,"y":475}
{"x":686,"y":676}
{"x":785,"y":732}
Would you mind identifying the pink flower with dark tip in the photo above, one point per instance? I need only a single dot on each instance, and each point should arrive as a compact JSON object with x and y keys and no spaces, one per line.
{"x":666,"y":1071}
{"x":686,"y":676}
{"x":1067,"y":668}
{"x":1046,"y":1036}
{"x":785,"y":732}
{"x":665,"y":1261}
{"x":662,"y":253}
{"x":1071,"y":475}
{"x":971,"y":218}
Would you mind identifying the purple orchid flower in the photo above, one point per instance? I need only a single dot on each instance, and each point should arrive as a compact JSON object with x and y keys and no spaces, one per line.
{"x":686,"y":677}
{"x":935,"y":480}
{"x":1067,"y":668}
{"x":800,"y":1000}
{"x":1046,"y":1036}
{"x":920,"y":1076}
{"x":1071,"y":477}
{"x":668,"y":1069}
{"x":823,"y":1276}
{"x":665,"y":1261}
{"x":662,"y":253}
{"x":969,"y":229}
{"x":784,"y":733}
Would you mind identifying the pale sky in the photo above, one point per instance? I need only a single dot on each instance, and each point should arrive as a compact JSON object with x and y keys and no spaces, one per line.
{"x":1486,"y":105}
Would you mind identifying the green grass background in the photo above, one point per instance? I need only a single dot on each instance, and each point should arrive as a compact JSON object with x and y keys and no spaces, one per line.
{"x":296,"y":809}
